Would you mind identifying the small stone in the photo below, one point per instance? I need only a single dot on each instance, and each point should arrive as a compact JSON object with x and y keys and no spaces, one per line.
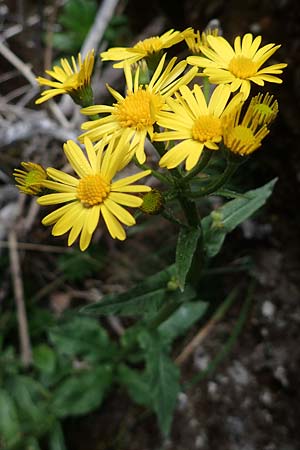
{"x":239,"y":373}
{"x":182,"y":401}
{"x":266,"y":398}
{"x":280,"y":375}
{"x":268,"y":309}
{"x":200,"y":441}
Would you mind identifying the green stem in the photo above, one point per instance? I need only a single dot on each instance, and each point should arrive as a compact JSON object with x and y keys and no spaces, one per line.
{"x":166,"y":311}
{"x":213,"y":187}
{"x":202,"y":164}
{"x":158,"y":175}
{"x":167,"y":214}
{"x":206,"y":88}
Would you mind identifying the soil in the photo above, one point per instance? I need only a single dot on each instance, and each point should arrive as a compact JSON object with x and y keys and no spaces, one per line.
{"x":252,"y":401}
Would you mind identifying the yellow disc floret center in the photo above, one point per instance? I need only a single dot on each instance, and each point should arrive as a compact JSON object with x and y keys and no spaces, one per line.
{"x":243,"y":135}
{"x":150,"y":45}
{"x":138,"y":109}
{"x":92,"y":190}
{"x":207,"y":128}
{"x":242,"y":67}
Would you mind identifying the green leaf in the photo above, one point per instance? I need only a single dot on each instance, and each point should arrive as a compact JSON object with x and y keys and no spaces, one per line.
{"x":44,"y":358}
{"x":182,"y":320}
{"x":82,"y":393}
{"x":163,"y":378}
{"x":186,"y":247}
{"x":135,"y":301}
{"x":137,"y":384}
{"x":132,"y":306}
{"x":56,"y":438}
{"x":77,"y":265}
{"x":32,"y":401}
{"x":83,"y":337}
{"x":10,"y":433}
{"x":228,"y":217}
{"x":31,"y":444}
{"x":77,"y":18}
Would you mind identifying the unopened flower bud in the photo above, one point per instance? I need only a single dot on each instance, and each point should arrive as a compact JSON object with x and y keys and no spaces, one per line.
{"x":153,"y":202}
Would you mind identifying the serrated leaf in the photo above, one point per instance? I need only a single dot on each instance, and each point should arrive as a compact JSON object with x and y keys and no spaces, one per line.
{"x":163,"y":377}
{"x":83,"y":337}
{"x":185,"y":249}
{"x":182,"y":320}
{"x":135,"y":301}
{"x":81,"y":393}
{"x":137,"y":384}
{"x":44,"y":358}
{"x":31,"y":399}
{"x":228,"y":217}
{"x":10,"y":432}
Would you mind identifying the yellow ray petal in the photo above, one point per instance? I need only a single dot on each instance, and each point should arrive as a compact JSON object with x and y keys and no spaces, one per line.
{"x":113,"y":225}
{"x":77,"y":159}
{"x":62,"y":177}
{"x":121,"y":213}
{"x":53,"y":199}
{"x":125,"y":199}
{"x":53,"y":217}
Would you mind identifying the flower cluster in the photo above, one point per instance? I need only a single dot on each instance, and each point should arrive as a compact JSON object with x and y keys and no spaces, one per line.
{"x":181,"y":107}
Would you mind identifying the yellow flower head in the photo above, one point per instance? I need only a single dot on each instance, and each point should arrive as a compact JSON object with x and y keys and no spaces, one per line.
{"x":143,"y":49}
{"x":243,"y":136}
{"x":195,"y":123}
{"x":196,"y":40}
{"x":30,"y":180}
{"x":135,"y":114}
{"x":70,"y":79}
{"x":238,"y":66}
{"x":264,"y":107}
{"x":94,"y":193}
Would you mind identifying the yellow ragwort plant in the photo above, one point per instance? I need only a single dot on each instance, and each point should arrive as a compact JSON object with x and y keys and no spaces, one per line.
{"x":198,"y":121}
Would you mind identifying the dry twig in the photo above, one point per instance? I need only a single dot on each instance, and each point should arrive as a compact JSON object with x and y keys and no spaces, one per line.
{"x":25,"y":345}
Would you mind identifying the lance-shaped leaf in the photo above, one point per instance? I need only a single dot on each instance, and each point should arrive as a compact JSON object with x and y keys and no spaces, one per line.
{"x":163,"y":378}
{"x":228,"y":217}
{"x":182,"y":319}
{"x":185,"y":250}
{"x":138,"y":300}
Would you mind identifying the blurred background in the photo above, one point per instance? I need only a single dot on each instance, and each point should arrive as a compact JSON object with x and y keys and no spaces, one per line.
{"x":251,"y":400}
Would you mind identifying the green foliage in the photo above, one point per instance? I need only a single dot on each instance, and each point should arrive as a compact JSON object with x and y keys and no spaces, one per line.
{"x":186,"y":246}
{"x":163,"y":379}
{"x":225,"y":219}
{"x":77,"y":265}
{"x":70,"y":375}
{"x":10,"y":428}
{"x":181,"y":321}
{"x":157,"y":386}
{"x":81,"y":392}
{"x":76,"y":19}
{"x":146,"y":296}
